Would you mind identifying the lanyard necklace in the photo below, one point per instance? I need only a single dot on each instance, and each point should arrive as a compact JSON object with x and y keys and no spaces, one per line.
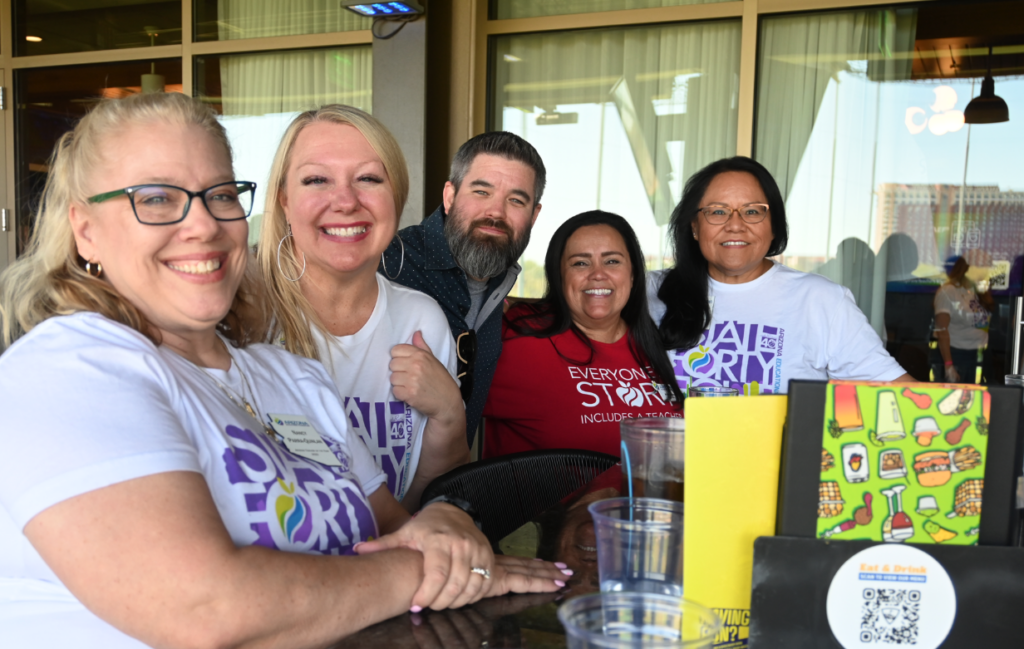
{"x":239,"y":400}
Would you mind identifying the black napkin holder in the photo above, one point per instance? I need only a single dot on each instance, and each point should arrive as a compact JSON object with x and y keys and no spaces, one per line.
{"x":792,"y":577}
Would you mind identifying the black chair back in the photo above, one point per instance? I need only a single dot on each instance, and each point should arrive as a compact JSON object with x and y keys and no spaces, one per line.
{"x":512,"y":490}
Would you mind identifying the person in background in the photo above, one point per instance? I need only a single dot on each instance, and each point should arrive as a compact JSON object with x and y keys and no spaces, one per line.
{"x":961,"y":327}
{"x":337,"y":186}
{"x":732,"y":316}
{"x":166,"y":480}
{"x":465,"y":254}
{"x":586,"y":356}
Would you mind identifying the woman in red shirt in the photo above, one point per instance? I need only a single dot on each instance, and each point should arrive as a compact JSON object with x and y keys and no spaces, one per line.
{"x":587,"y":356}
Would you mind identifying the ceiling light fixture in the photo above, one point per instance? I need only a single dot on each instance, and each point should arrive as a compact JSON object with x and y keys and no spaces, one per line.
{"x":987,"y":108}
{"x":383,"y":9}
{"x":34,"y":39}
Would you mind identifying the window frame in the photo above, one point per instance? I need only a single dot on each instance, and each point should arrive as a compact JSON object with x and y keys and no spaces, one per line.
{"x":186,"y":52}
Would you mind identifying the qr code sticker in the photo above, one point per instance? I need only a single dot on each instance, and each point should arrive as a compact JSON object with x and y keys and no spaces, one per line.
{"x":890,"y":616}
{"x":999,"y":276}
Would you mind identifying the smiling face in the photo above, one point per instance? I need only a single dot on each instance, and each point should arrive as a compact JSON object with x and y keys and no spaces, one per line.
{"x":597,"y":277}
{"x":182,"y":277}
{"x":339,"y":202}
{"x":736,"y":249}
{"x":490,"y":216}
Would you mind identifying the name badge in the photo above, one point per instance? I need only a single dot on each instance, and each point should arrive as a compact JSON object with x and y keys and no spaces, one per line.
{"x":302,"y":439}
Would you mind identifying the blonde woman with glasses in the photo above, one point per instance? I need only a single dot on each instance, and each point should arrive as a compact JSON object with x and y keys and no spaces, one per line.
{"x":166,"y":480}
{"x":337,"y":187}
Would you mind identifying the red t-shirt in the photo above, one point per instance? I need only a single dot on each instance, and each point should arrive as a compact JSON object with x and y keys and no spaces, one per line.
{"x":539,"y":400}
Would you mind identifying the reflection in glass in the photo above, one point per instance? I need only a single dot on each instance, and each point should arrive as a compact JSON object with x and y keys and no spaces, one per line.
{"x":258,"y":95}
{"x":860,"y":120}
{"x":54,"y":27}
{"x":502,"y":9}
{"x":51,"y":101}
{"x":621,"y":118}
{"x":225,"y":20}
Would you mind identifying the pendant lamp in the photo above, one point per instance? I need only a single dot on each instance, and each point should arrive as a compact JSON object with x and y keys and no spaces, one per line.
{"x":987,"y":108}
{"x":152,"y":82}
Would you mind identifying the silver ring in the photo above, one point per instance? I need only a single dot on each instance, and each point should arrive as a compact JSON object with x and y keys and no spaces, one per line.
{"x":483,"y":572}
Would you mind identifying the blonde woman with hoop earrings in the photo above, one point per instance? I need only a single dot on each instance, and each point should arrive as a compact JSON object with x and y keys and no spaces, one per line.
{"x":337,"y":187}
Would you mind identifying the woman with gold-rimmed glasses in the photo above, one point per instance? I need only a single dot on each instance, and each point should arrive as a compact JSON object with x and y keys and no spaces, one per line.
{"x":165,"y":479}
{"x":735,"y":318}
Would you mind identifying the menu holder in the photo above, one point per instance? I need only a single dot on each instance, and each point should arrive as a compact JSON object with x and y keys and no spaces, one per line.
{"x":801,"y":481}
{"x":792,"y":578}
{"x":732,"y":474}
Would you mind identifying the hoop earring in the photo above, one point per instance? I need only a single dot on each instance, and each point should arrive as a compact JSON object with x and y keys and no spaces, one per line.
{"x":401,"y":264}
{"x":99,"y":269}
{"x":279,"y":244}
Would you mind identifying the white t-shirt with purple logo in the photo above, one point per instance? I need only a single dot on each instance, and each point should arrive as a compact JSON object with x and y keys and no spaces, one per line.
{"x":89,"y":403}
{"x":968,"y":318}
{"x":783,"y":325}
{"x":391,"y":429}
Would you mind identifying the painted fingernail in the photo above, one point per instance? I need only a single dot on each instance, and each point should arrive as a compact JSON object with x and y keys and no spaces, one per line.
{"x":415,"y":609}
{"x":355,"y":548}
{"x":416,"y":619}
{"x":567,"y":571}
{"x":560,"y":565}
{"x":559,"y":583}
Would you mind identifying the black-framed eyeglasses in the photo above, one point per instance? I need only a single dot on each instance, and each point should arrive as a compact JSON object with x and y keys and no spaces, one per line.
{"x":720,"y":214}
{"x":465,"y":349}
{"x":158,"y":204}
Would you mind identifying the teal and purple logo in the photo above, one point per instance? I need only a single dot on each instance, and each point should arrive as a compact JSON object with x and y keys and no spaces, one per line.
{"x":293,"y":503}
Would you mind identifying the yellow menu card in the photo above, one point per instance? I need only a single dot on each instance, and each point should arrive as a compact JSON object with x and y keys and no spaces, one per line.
{"x":733,"y":446}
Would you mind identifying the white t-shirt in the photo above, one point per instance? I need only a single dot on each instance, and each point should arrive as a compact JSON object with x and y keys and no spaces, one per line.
{"x":391,"y":429}
{"x":968,"y":319}
{"x":88,"y":403}
{"x":783,"y":325}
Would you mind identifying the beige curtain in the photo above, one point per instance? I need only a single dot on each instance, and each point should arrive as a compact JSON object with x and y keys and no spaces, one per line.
{"x":800,"y":54}
{"x":279,"y":82}
{"x":630,"y":69}
{"x":531,"y":8}
{"x":262,"y":18}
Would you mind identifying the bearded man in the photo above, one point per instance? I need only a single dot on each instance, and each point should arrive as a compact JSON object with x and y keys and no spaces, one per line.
{"x":465,"y":255}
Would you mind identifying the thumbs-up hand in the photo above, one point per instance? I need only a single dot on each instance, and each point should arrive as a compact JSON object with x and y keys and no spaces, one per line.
{"x":420,"y":380}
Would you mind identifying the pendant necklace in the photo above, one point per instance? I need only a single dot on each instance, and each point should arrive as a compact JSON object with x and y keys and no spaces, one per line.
{"x":239,"y":399}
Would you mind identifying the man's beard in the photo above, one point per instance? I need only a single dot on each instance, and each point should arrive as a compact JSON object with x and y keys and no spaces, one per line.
{"x":483,"y":256}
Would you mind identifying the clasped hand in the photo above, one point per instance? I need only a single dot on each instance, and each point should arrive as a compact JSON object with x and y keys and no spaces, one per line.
{"x":452,"y":545}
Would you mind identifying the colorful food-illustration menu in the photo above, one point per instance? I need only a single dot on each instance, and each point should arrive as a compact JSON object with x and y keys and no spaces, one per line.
{"x":903,"y":464}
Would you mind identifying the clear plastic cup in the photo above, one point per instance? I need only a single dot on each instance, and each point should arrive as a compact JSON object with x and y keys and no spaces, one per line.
{"x":639,"y":545}
{"x":607,"y":620}
{"x":653,"y":454}
{"x":711,"y":391}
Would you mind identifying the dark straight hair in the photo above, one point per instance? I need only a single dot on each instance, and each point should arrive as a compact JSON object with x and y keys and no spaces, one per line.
{"x":684,"y":289}
{"x":551,"y":316}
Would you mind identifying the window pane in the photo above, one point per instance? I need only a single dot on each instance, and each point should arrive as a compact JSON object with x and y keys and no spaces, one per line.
{"x":50,"y":101}
{"x":502,"y":9}
{"x":54,"y":27}
{"x":621,"y":118}
{"x":860,"y":120}
{"x":225,"y":20}
{"x":258,"y":95}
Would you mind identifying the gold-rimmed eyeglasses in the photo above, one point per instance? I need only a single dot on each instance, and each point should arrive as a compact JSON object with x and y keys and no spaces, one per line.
{"x":720,"y":214}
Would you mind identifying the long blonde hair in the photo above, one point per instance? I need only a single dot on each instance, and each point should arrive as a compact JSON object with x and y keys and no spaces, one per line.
{"x":50,"y":279}
{"x":294,"y":316}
